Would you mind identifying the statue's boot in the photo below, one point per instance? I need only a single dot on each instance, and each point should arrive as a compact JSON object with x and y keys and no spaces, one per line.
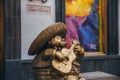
{"x":72,"y":77}
{"x":81,"y":78}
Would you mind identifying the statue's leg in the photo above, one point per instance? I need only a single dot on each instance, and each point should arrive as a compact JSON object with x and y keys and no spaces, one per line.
{"x":72,"y":77}
{"x":56,"y":76}
{"x":81,"y":78}
{"x":74,"y":73}
{"x":41,"y":74}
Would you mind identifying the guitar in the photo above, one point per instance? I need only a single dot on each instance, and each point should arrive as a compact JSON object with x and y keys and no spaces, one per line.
{"x":65,"y":66}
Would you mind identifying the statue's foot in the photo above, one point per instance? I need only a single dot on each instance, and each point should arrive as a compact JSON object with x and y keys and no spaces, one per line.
{"x":81,"y":78}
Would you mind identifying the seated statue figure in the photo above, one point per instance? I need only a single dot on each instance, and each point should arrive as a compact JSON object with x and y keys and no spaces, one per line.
{"x":53,"y":61}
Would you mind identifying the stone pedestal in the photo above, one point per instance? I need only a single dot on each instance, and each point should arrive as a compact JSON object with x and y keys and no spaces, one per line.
{"x":97,"y":75}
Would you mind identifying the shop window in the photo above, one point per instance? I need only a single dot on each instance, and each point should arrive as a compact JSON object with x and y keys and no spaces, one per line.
{"x":106,"y":40}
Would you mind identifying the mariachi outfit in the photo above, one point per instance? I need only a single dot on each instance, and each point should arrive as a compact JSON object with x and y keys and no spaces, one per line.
{"x":42,"y":65}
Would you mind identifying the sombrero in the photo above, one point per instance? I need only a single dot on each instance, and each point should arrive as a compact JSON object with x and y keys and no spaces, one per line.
{"x":58,"y":28}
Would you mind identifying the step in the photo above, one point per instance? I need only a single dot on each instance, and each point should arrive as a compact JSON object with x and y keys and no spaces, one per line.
{"x":98,"y":75}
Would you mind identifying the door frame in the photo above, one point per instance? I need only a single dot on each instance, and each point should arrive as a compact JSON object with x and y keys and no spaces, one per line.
{"x":1,"y":40}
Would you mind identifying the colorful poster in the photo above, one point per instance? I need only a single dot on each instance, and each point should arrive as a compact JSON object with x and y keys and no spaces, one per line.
{"x":82,"y":21}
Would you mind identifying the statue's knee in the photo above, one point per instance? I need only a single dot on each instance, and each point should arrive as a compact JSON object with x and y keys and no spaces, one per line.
{"x":72,"y":77}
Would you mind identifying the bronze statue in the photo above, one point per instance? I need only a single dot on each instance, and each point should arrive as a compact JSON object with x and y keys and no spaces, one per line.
{"x":53,"y":61}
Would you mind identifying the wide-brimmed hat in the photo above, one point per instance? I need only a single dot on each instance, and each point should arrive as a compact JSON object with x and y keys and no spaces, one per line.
{"x":58,"y":28}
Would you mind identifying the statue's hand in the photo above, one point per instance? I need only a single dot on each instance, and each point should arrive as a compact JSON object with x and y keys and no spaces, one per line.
{"x":79,"y":51}
{"x":78,"y":48}
{"x":59,"y":56}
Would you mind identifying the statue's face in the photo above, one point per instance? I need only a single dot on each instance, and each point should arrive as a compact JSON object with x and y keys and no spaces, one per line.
{"x":58,"y":41}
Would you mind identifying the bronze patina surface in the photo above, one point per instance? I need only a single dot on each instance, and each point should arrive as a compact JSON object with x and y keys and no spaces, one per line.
{"x":52,"y":56}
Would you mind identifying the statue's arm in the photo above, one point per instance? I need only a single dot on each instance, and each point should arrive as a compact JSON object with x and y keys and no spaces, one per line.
{"x":79,"y":51}
{"x":53,"y":53}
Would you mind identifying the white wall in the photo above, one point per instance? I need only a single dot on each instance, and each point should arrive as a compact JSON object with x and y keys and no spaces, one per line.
{"x":33,"y":22}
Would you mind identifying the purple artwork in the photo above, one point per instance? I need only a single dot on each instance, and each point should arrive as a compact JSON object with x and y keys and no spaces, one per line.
{"x":84,"y":28}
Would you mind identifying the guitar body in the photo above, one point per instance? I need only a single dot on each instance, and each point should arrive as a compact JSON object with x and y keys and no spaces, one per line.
{"x":65,"y":66}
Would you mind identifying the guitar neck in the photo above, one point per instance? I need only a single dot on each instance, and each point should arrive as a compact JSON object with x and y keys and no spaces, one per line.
{"x":72,"y":47}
